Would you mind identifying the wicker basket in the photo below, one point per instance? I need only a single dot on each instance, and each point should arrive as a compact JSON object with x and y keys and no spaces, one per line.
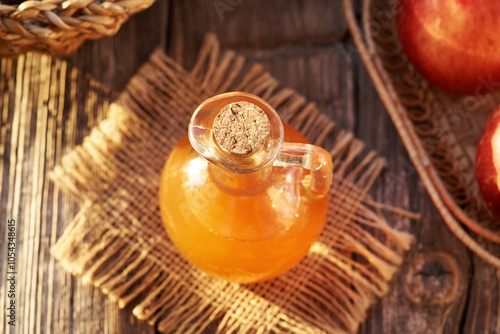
{"x":439,"y":130}
{"x":59,"y":27}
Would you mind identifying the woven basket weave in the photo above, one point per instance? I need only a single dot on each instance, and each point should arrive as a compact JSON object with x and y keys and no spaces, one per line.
{"x":440,"y":130}
{"x":59,"y":27}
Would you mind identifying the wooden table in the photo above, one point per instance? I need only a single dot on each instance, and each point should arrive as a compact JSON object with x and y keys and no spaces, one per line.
{"x":305,"y":45}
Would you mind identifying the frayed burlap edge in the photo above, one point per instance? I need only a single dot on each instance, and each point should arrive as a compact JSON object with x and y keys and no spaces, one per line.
{"x":117,"y":242}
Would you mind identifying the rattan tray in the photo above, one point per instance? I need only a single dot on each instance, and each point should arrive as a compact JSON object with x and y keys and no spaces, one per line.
{"x":59,"y":27}
{"x":439,"y":130}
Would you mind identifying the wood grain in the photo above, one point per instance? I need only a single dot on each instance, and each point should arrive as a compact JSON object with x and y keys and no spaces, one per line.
{"x":253,"y":24}
{"x":48,"y":105}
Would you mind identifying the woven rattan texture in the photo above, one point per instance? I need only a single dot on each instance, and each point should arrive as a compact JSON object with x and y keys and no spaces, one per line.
{"x":59,"y":27}
{"x":117,"y":241}
{"x":439,"y":130}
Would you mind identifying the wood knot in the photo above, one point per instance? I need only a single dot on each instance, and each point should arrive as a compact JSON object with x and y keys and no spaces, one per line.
{"x":434,"y":279}
{"x":241,"y":128}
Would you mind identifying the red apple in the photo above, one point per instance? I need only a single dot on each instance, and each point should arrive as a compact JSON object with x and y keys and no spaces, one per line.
{"x":454,"y":44}
{"x":488,"y":162}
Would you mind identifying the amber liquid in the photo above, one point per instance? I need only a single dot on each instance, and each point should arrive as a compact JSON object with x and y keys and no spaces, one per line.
{"x":237,"y":237}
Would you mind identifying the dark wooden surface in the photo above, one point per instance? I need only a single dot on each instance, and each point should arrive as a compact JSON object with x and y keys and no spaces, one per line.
{"x":441,"y":286}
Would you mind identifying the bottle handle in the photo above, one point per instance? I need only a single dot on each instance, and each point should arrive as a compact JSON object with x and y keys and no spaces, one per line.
{"x":313,"y":158}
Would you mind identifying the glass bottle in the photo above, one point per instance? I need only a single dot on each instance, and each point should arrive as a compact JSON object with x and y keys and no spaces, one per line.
{"x":242,"y":195}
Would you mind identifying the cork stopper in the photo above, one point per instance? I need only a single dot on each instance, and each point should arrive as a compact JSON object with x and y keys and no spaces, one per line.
{"x":241,"y":128}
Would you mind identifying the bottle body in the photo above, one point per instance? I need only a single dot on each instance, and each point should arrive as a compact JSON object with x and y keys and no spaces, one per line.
{"x":236,"y":236}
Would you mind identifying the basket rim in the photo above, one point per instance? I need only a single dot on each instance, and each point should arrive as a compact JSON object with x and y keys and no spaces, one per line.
{"x":451,"y":213}
{"x":59,"y":27}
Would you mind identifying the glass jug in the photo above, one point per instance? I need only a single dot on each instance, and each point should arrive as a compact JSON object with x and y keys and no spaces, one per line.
{"x":242,"y":195}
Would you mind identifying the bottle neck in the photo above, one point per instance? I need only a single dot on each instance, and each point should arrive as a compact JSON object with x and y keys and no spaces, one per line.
{"x":241,"y":184}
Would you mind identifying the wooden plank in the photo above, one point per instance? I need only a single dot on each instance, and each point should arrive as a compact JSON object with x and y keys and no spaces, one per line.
{"x":48,"y":105}
{"x":430,"y":292}
{"x":483,"y":304}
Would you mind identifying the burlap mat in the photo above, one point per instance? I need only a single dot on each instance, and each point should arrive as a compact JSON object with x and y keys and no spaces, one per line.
{"x":117,"y":241}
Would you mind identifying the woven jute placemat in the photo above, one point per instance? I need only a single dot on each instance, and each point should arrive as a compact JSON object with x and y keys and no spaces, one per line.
{"x":117,"y":241}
